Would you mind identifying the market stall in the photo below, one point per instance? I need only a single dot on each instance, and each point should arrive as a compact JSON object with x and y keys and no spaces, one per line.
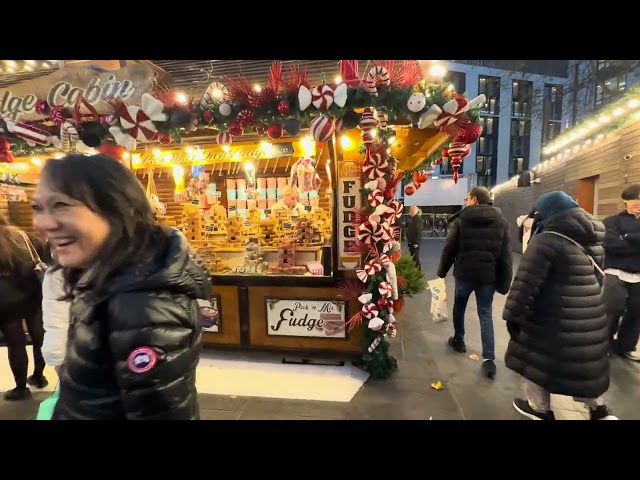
{"x":287,"y":193}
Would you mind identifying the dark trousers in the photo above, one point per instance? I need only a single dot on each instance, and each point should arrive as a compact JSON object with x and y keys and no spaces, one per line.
{"x":415,"y":254}
{"x":619,"y":296}
{"x":16,"y":340}
{"x":484,"y":300}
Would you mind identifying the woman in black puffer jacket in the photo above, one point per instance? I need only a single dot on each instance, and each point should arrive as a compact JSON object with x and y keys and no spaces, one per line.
{"x":21,"y":299}
{"x":555,"y":315}
{"x":135,"y":335}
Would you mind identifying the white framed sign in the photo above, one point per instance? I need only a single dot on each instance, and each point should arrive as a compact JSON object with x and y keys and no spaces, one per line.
{"x":349,"y":200}
{"x":305,"y":317}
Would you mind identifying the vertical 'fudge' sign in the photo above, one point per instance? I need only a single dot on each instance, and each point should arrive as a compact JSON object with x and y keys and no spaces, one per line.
{"x":305,"y":317}
{"x":349,"y":185}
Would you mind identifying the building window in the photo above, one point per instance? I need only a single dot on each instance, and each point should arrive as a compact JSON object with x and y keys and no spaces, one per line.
{"x":613,"y":87}
{"x":490,"y":87}
{"x":551,"y":112}
{"x":521,"y":108}
{"x":521,"y":98}
{"x":458,"y":80}
{"x":520,"y":145}
{"x":487,"y":145}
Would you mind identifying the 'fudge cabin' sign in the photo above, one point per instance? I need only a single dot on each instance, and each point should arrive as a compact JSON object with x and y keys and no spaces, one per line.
{"x":305,"y":317}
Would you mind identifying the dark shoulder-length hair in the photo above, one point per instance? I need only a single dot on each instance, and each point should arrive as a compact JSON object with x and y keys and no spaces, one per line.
{"x":13,"y":249}
{"x":112,"y":192}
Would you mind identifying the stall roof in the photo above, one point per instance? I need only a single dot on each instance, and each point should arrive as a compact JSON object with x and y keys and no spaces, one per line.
{"x":195,"y":75}
{"x":18,"y":71}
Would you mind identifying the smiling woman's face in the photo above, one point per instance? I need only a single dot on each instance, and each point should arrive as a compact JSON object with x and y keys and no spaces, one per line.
{"x":73,"y":230}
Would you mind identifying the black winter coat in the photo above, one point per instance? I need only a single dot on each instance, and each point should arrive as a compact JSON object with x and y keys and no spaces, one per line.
{"x":554,"y":311}
{"x":479,"y":245}
{"x":622,"y":242}
{"x":415,"y":227}
{"x":132,"y":353}
{"x":21,"y":291}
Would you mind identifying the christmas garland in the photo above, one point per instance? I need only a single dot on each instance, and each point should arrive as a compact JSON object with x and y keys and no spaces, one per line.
{"x":391,"y":89}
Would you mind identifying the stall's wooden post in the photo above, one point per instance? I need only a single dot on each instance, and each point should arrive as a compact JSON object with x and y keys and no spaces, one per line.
{"x":335,"y":154}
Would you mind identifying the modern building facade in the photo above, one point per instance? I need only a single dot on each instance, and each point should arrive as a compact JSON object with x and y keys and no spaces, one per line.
{"x":523,"y":111}
{"x":592,"y":84}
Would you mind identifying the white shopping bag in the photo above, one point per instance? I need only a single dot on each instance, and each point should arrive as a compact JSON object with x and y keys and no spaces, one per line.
{"x":439,"y":304}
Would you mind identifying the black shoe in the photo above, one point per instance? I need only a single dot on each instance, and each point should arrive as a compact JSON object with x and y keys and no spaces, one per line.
{"x":37,"y":382}
{"x":601,"y":413}
{"x":457,"y":345}
{"x":489,"y":368}
{"x":525,"y":409}
{"x":17,"y":394}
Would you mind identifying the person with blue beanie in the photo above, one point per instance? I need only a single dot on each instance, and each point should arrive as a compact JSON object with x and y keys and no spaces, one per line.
{"x":555,"y":313}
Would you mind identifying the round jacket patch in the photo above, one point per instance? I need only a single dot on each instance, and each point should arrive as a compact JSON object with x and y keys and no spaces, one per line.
{"x":142,"y":359}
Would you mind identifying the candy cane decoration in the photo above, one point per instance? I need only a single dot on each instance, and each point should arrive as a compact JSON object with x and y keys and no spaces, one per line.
{"x":374,"y":344}
{"x":376,"y":76}
{"x":68,"y":134}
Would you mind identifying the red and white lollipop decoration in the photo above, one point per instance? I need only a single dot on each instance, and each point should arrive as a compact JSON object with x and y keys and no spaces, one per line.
{"x":396,"y":212}
{"x":385,"y":289}
{"x":377,"y":76}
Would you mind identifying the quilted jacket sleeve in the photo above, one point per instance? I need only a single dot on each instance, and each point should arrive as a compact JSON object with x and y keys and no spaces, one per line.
{"x":532,"y":274}
{"x":450,"y":250}
{"x":156,"y":341}
{"x":55,"y":315}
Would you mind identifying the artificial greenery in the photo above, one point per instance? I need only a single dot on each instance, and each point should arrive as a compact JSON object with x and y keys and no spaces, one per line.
{"x":407,"y":269}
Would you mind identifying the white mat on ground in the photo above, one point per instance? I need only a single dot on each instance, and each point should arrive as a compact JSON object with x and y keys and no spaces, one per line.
{"x":249,"y":375}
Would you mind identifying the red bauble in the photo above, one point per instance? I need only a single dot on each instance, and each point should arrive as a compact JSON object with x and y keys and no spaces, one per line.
{"x":389,"y":193}
{"x":6,"y":157}
{"x":383,"y":303}
{"x":111,"y":149}
{"x":469,"y":133}
{"x":275,"y":131}
{"x":5,"y":146}
{"x":208,"y":116}
{"x":423,"y":176}
{"x":165,"y":138}
{"x":236,"y":130}
{"x":409,"y":190}
{"x":284,"y":107}
{"x":42,"y":107}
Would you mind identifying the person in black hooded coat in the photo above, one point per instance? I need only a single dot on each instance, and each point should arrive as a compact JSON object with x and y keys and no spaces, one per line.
{"x":555,"y":314}
{"x":135,"y":333}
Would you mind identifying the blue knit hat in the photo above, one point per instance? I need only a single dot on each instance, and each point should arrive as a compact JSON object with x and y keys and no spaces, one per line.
{"x":552,"y":203}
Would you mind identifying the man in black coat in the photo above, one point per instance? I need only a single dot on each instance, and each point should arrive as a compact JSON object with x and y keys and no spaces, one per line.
{"x":555,"y":314}
{"x":479,"y":246}
{"x":622,"y":279}
{"x":414,"y":235}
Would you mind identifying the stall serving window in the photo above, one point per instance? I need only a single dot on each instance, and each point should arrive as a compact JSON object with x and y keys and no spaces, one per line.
{"x":248,"y":210}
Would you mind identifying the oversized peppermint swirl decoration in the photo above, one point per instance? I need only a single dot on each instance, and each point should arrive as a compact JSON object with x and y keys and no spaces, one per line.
{"x":372,"y":267}
{"x":376,"y":166}
{"x":369,"y":311}
{"x":385,"y":289}
{"x":369,"y":232}
{"x":376,"y":197}
{"x":396,"y":212}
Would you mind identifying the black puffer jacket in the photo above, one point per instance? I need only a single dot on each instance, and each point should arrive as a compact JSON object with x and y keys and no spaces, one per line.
{"x":132,"y":353}
{"x":21,"y":291}
{"x":479,"y":245}
{"x":554,"y":311}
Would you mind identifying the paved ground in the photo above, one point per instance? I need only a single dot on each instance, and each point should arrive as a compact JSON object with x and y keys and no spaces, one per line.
{"x":423,"y":358}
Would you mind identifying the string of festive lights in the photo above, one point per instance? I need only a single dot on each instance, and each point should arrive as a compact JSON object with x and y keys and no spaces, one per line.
{"x":17,"y":66}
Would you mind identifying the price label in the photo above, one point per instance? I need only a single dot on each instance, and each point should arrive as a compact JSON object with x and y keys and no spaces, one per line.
{"x":248,"y":223}
{"x":208,"y":228}
{"x":217,"y":194}
{"x":250,"y":197}
{"x":232,"y":208}
{"x":267,"y":211}
{"x":287,"y":225}
{"x":195,"y":202}
{"x":308,"y":208}
{"x":280,"y":197}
